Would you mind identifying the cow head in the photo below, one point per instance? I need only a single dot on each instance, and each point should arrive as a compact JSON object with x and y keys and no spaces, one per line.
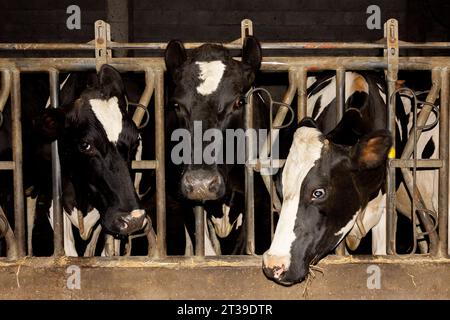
{"x":97,"y":141}
{"x":208,"y":94}
{"x":324,"y":186}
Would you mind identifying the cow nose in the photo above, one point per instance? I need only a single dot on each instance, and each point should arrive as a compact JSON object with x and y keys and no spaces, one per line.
{"x":202,"y":185}
{"x":131,"y":222}
{"x":275,"y":267}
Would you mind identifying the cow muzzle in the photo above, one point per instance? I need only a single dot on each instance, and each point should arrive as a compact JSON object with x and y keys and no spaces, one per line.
{"x":202,"y":185}
{"x":275,"y":268}
{"x":130,"y":223}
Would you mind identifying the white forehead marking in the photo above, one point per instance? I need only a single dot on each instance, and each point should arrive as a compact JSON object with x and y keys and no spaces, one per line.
{"x":109,"y":115}
{"x":211,"y":74}
{"x":305,"y":151}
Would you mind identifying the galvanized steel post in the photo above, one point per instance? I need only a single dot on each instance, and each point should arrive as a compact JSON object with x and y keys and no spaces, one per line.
{"x":391,"y":53}
{"x":58,"y":228}
{"x":444,"y":156}
{"x":19,"y":206}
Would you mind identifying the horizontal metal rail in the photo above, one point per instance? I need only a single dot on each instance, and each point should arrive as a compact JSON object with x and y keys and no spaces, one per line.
{"x":6,"y":165}
{"x":421,"y":163}
{"x":275,"y":64}
{"x":284,"y":45}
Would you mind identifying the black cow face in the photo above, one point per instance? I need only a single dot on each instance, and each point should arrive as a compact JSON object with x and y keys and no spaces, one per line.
{"x":208,"y":94}
{"x":97,"y":141}
{"x":324,"y":186}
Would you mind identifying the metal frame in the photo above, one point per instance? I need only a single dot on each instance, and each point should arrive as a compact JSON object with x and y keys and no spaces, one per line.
{"x":297,"y":68}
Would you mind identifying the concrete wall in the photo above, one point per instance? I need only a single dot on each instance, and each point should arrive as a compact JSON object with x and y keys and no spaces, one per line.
{"x":225,"y":278}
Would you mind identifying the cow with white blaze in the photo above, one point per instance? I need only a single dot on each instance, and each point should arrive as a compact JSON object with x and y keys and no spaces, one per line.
{"x":97,"y":141}
{"x":329,"y":178}
{"x":208,"y":102}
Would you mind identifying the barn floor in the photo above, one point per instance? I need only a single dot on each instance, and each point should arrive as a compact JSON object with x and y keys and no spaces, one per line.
{"x":224,"y":278}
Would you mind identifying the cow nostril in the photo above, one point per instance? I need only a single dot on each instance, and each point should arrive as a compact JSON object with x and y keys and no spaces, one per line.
{"x":124,"y":223}
{"x":214,"y":183}
{"x":188,"y":180}
{"x":278,"y":272}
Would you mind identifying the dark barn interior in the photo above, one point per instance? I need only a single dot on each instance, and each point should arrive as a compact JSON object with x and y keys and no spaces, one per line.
{"x":44,"y":260}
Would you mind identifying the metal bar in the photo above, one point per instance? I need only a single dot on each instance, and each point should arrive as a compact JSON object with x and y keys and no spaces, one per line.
{"x":421,"y":163}
{"x":423,"y":115}
{"x":144,"y":164}
{"x":279,"y":118}
{"x":145,"y":97}
{"x":199,"y":231}
{"x":31,"y":214}
{"x":392,"y":56}
{"x":19,"y":206}
{"x":407,"y":151}
{"x":444,"y":156}
{"x":6,"y":89}
{"x":160,"y":161}
{"x":58,"y":226}
{"x":249,"y":181}
{"x":7,"y":165}
{"x":340,"y":94}
{"x":420,"y":206}
{"x":275,"y":64}
{"x":301,"y":80}
{"x":46,"y":46}
{"x":102,"y":36}
{"x":232,"y":45}
{"x":340,"y":105}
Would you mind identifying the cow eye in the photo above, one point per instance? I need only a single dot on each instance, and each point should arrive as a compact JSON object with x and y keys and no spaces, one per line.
{"x":85,"y":146}
{"x":239,"y":103}
{"x":318,"y":193}
{"x":176,"y":106}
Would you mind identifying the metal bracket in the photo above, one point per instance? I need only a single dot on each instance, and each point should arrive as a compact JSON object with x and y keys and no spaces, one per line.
{"x":391,"y":52}
{"x":102,"y":37}
{"x":246,"y":29}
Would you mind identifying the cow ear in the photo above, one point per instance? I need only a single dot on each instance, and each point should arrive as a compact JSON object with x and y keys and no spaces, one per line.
{"x":349,"y":129}
{"x":251,"y":58}
{"x":372,"y":150}
{"x":174,"y":56}
{"x":50,"y":124}
{"x":110,"y":82}
{"x":307,"y":122}
{"x":252,"y":53}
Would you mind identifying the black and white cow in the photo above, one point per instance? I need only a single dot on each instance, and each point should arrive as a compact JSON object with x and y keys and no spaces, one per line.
{"x":97,"y":141}
{"x":209,"y":86}
{"x":329,"y":178}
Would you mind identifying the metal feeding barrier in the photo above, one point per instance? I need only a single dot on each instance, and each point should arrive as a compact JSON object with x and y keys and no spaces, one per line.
{"x":297,"y":69}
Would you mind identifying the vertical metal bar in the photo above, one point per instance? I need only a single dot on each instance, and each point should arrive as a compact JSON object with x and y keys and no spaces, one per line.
{"x":199,"y":231}
{"x":340,"y":94}
{"x":160,"y":161}
{"x":340,"y":104}
{"x":58,"y":226}
{"x":249,"y":181}
{"x":145,"y":97}
{"x":19,"y":206}
{"x":391,"y":53}
{"x":443,"y":155}
{"x":279,"y":118}
{"x":301,"y":79}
